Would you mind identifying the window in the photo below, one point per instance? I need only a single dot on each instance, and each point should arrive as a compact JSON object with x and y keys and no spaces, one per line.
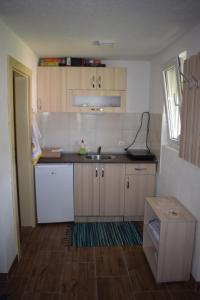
{"x":172,"y":86}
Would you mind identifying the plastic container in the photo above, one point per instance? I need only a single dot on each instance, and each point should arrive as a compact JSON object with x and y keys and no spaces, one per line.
{"x":82,"y":150}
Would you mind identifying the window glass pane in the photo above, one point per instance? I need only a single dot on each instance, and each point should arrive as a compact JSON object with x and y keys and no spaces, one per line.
{"x":182,"y":57}
{"x":172,"y":101}
{"x":173,"y":94}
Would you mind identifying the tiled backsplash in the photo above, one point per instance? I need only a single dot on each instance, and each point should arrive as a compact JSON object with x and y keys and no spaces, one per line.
{"x":155,"y":133}
{"x":113,"y":132}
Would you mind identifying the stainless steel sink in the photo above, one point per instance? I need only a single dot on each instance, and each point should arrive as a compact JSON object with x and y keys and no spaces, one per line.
{"x":99,"y":156}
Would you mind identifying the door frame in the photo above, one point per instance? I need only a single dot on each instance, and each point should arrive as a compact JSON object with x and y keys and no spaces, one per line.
{"x":16,"y":66}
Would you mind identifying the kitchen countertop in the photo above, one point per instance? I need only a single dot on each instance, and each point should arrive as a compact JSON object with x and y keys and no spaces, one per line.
{"x":76,"y":158}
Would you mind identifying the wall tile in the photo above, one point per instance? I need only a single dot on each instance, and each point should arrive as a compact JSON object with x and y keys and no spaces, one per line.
{"x":130,"y":121}
{"x":155,"y":133}
{"x":108,"y":138}
{"x":109,"y":122}
{"x":113,"y":132}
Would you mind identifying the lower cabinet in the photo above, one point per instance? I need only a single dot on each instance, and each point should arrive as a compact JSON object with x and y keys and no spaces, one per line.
{"x":86,"y":189}
{"x":112,"y":189}
{"x":99,"y":189}
{"x":139,"y":183}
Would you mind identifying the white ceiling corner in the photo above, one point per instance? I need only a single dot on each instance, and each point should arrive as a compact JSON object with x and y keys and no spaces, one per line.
{"x":139,"y":28}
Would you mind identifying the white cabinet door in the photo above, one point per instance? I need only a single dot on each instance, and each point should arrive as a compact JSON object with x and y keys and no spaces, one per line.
{"x":54,"y":192}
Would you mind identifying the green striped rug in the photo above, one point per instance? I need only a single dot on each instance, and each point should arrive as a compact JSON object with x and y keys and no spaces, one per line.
{"x":106,"y":234}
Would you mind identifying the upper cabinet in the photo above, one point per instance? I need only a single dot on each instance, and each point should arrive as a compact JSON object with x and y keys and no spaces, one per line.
{"x":81,"y":89}
{"x":89,"y":78}
{"x":51,"y":89}
{"x":96,"y":101}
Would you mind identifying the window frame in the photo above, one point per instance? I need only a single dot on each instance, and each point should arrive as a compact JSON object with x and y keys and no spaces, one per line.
{"x":174,"y":62}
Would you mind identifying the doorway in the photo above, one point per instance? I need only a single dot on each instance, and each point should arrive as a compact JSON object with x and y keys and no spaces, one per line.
{"x":20,"y":116}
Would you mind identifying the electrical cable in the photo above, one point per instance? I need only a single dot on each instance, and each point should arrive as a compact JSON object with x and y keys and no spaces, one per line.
{"x":147,"y":132}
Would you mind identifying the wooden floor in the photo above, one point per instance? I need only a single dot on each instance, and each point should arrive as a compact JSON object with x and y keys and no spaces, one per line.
{"x":49,"y":270}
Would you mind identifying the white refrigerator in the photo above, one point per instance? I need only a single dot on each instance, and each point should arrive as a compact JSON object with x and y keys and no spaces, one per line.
{"x":54,"y":192}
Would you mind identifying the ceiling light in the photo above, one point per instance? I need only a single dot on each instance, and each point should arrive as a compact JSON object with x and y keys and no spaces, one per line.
{"x":104,"y":43}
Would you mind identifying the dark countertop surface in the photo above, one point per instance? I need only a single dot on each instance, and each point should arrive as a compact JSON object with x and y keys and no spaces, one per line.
{"x":76,"y":158}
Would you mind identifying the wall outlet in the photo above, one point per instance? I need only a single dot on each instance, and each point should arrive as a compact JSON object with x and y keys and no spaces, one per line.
{"x":121,"y":143}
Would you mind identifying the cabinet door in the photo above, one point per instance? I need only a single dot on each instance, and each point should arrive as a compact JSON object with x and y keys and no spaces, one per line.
{"x":120,"y":78}
{"x":74,"y":78}
{"x":88,"y":78}
{"x":111,"y":79}
{"x":81,"y":78}
{"x":137,"y":187}
{"x":112,"y":189}
{"x":51,"y":89}
{"x":105,"y":78}
{"x":86,"y":189}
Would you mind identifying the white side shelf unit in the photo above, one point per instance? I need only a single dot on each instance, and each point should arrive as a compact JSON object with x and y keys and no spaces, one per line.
{"x":168,"y":246}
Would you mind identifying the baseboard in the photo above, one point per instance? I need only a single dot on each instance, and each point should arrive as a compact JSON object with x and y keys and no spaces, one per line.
{"x":5,"y":276}
{"x":134,"y":218}
{"x":196,"y":284}
{"x":98,"y":219}
{"x":108,"y":219}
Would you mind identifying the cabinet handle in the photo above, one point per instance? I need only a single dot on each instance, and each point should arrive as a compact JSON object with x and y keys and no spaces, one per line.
{"x":102,"y":172}
{"x":96,"y":172}
{"x":127,"y":184}
{"x":99,"y":82}
{"x":39,"y":104}
{"x":140,"y":169}
{"x":93,"y":82}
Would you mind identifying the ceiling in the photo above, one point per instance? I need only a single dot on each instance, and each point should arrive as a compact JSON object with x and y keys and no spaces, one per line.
{"x":139,"y":28}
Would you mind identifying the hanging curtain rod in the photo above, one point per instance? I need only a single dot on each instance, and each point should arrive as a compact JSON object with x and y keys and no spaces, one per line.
{"x":193,"y":82}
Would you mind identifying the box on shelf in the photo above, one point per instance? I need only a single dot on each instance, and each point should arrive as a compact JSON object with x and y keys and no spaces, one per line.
{"x":51,"y":152}
{"x":70,"y":61}
{"x":52,"y":61}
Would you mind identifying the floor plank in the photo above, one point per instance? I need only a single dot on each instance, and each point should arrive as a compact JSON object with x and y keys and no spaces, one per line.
{"x":51,"y":270}
{"x":113,"y":288}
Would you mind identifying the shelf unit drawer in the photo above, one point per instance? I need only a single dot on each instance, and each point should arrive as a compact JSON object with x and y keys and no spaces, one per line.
{"x":147,"y":169}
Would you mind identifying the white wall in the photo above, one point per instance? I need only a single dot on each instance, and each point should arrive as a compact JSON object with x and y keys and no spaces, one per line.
{"x":138,"y":79}
{"x":10,"y":45}
{"x":177,"y":177}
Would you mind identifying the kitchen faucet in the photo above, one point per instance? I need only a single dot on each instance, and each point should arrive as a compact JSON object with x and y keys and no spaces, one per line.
{"x":99,"y":150}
